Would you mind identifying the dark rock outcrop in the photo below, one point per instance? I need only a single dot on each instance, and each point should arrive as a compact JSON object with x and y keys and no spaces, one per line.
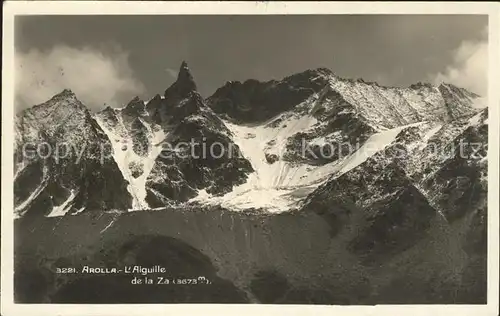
{"x":254,"y":101}
{"x":198,"y":152}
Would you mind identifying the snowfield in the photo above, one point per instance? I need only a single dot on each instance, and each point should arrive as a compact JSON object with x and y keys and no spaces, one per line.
{"x":125,"y":156}
{"x":279,"y":186}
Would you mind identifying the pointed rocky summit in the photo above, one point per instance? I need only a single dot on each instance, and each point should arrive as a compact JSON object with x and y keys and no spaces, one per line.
{"x":135,"y":108}
{"x":183,"y":85}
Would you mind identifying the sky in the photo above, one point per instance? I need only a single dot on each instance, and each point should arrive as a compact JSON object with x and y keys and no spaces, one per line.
{"x":108,"y":60}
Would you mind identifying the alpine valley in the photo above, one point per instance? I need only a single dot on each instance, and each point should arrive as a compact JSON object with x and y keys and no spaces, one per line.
{"x":401,"y":219}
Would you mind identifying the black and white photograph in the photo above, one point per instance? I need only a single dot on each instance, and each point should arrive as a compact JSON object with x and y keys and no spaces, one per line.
{"x":258,"y":157}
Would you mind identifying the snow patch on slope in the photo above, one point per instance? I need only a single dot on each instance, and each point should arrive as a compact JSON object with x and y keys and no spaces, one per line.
{"x":21,"y":208}
{"x":278,"y":186}
{"x":124,"y":156}
{"x":272,"y":184}
{"x":476,"y":119}
{"x":61,"y":210}
{"x":427,"y":136}
{"x":373,"y":145}
{"x":266,"y":139}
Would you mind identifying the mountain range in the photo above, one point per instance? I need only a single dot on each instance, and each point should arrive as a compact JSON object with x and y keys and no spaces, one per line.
{"x":324,"y":189}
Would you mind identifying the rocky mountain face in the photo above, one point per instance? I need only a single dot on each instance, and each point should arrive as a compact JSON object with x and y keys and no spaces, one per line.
{"x":324,"y":189}
{"x":185,"y":118}
{"x":160,"y":146}
{"x":60,"y":167}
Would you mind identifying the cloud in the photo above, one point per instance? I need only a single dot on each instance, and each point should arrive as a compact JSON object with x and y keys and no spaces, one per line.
{"x":469,"y":66}
{"x":96,"y":77}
